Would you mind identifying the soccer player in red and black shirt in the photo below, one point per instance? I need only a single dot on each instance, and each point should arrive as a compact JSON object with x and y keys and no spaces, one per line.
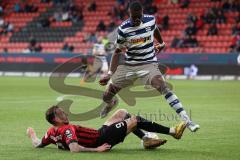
{"x":78,"y":138}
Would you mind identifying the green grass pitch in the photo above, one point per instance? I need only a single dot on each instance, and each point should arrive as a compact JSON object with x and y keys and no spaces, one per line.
{"x":215,"y":105}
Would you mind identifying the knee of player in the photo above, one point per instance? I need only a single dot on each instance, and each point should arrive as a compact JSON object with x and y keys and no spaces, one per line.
{"x":122,"y":112}
{"x":110,"y":93}
{"x":107,"y":97}
{"x":158,"y":83}
{"x":134,"y":120}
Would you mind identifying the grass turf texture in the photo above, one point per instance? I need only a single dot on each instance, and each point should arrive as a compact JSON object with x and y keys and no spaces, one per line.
{"x":213,"y":104}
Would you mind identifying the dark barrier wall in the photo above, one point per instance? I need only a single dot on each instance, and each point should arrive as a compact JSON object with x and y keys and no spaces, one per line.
{"x":219,"y":64}
{"x":185,"y":59}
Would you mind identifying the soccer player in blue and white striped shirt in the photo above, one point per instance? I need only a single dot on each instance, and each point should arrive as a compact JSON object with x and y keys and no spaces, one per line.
{"x":136,"y":35}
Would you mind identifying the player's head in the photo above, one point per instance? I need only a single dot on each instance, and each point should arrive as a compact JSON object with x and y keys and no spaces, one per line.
{"x":56,"y":116}
{"x":136,"y":13}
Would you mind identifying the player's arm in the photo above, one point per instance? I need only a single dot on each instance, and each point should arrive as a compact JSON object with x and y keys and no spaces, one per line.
{"x":71,"y":139}
{"x":114,"y":60}
{"x":75,"y":147}
{"x":36,"y":142}
{"x":158,"y":37}
{"x":120,"y":45}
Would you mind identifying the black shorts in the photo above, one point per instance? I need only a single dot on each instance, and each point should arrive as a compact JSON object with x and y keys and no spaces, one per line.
{"x":112,"y":134}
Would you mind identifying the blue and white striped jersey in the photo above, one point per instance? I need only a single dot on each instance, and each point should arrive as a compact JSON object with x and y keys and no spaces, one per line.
{"x":137,"y":40}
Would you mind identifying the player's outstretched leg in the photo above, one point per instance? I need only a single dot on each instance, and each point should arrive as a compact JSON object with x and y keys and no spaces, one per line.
{"x":108,"y":99}
{"x":150,"y":126}
{"x":137,"y":122}
{"x":159,"y":83}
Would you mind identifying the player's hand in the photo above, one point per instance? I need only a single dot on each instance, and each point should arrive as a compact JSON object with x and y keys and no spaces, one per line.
{"x":31,"y":133}
{"x":104,"y":80}
{"x":103,"y":147}
{"x":159,"y":47}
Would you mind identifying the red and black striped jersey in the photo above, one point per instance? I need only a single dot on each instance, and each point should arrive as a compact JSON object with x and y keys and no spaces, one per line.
{"x":67,"y":134}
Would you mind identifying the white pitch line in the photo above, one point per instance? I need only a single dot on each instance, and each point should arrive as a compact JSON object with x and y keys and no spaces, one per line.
{"x":60,"y":98}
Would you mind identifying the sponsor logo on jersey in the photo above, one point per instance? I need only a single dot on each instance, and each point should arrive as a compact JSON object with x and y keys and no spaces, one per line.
{"x":140,"y":40}
{"x":68,"y":133}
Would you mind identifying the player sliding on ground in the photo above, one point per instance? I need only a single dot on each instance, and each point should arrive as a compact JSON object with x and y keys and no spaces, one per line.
{"x":79,"y":139}
{"x":136,"y":36}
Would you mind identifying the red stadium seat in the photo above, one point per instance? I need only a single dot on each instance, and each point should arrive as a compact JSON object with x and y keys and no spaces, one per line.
{"x":177,"y":24}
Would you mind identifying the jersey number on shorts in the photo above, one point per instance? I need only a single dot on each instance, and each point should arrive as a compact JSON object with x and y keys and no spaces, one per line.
{"x":119,"y":125}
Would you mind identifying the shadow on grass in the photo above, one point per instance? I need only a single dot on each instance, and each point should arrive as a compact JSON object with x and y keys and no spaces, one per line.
{"x":133,"y":151}
{"x":157,"y":151}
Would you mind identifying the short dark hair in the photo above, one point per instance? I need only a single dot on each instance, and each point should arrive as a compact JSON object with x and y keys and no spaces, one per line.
{"x":135,"y":6}
{"x":50,"y":114}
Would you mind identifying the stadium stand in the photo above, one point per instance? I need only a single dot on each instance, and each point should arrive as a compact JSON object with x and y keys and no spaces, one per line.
{"x":52,"y":34}
{"x":177,"y":23}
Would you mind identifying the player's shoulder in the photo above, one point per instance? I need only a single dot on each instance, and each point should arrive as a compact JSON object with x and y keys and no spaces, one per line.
{"x":50,"y":131}
{"x":125,"y":24}
{"x":147,"y":18}
{"x":68,"y":126}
